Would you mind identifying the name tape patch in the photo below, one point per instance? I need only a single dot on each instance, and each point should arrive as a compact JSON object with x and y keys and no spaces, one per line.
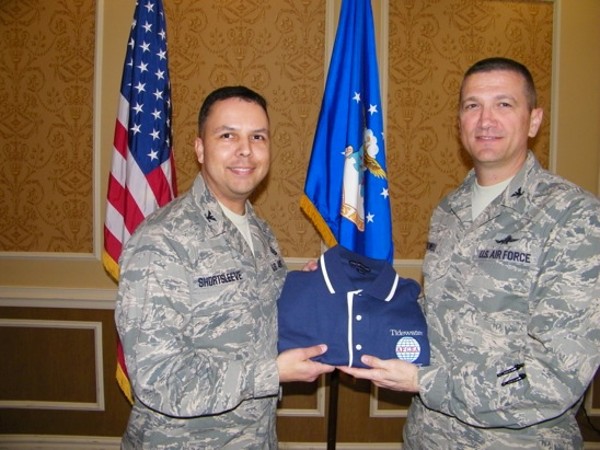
{"x":221,"y":278}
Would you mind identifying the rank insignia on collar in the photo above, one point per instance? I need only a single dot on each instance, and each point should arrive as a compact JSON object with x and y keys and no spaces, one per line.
{"x":517,"y":193}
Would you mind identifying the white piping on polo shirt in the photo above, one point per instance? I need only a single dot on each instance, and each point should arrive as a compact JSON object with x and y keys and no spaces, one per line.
{"x":350,"y":300}
{"x":350,"y":304}
{"x":393,"y":290}
{"x":326,"y":275}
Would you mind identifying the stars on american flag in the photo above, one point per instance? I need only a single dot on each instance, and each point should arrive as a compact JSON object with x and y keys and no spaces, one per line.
{"x":147,"y":88}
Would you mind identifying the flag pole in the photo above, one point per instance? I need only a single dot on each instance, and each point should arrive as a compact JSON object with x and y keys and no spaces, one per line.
{"x":334,"y":384}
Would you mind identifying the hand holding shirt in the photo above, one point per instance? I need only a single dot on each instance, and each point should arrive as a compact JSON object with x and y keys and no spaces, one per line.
{"x":356,"y":305}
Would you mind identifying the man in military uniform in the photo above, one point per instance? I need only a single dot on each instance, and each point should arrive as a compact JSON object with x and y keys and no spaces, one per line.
{"x":196,"y":308}
{"x":511,"y":292}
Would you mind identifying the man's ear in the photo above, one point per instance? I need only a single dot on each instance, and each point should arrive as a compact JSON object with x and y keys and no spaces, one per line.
{"x":535,"y":121}
{"x":199,"y":149}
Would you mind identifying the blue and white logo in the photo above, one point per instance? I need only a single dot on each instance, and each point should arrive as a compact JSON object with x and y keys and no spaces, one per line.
{"x":408,"y":349}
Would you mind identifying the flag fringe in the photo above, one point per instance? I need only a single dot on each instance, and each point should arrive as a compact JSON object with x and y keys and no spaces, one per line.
{"x":122,"y":379}
{"x":110,"y":265}
{"x":315,"y":217}
{"x":123,"y":382}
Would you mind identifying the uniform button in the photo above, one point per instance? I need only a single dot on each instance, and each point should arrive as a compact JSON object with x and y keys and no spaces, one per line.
{"x":358,"y":347}
{"x":358,"y":317}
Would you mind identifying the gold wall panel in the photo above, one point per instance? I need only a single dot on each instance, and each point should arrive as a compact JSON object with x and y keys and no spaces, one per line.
{"x":46,"y":114}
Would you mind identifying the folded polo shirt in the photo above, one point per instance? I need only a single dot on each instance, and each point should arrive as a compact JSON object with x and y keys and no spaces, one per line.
{"x":356,"y":305}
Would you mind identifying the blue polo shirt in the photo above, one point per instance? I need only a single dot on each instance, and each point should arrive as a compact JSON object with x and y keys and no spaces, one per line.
{"x":356,"y":305}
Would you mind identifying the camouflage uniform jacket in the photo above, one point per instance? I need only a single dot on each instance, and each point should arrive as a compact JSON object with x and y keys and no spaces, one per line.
{"x":512,"y":302}
{"x":196,"y":314}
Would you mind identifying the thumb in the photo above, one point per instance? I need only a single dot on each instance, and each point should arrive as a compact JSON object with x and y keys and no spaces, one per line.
{"x":371,"y":361}
{"x":311,"y":352}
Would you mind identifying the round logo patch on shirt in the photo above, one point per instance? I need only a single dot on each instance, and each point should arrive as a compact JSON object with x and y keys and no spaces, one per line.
{"x":408,"y":349}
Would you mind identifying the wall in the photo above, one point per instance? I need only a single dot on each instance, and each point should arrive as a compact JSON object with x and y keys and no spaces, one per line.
{"x":59,"y":77}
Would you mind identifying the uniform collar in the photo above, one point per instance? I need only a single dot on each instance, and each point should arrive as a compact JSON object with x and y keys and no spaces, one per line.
{"x":518,"y":192}
{"x":218,"y":223}
{"x":210,"y":209}
{"x":379,"y":280}
{"x":515,"y":196}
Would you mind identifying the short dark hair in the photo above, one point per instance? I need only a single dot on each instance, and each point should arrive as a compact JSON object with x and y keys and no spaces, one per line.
{"x":225,"y":92}
{"x":507,"y":64}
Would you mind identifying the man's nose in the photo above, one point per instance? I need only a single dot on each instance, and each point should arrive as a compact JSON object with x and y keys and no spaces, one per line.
{"x":245,"y":147}
{"x":487,"y":117}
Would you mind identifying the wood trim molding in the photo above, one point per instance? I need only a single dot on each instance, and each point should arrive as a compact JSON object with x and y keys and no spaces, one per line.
{"x":57,"y":442}
{"x":319,"y":411}
{"x":375,"y":411}
{"x":96,"y":327}
{"x":70,"y":298}
{"x":589,"y":403}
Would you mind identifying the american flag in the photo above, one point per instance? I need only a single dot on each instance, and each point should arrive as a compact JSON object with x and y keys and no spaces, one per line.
{"x":142,"y":176}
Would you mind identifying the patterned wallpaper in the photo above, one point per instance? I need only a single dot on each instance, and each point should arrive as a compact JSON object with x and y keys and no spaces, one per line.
{"x":46,"y":117}
{"x":276,"y":47}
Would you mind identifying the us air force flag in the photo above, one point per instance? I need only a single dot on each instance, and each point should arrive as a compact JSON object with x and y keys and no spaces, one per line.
{"x":346,"y":191}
